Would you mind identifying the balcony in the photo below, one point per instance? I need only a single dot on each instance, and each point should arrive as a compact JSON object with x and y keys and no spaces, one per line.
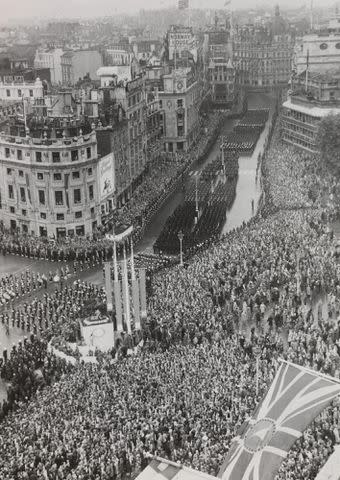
{"x":49,"y":142}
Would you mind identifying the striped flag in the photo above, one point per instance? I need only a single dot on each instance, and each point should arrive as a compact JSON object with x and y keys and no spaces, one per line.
{"x":296,"y":396}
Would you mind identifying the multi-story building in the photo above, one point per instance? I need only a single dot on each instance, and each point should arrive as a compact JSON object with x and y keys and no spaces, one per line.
{"x":51,"y":182}
{"x":180,"y":40}
{"x":307,"y":104}
{"x":9,"y":108}
{"x":117,"y":57}
{"x":219,"y":67}
{"x":263,"y":54}
{"x":50,"y":58}
{"x":180,"y":101}
{"x":154,"y":125}
{"x":75,"y":65}
{"x":115,"y":138}
{"x":18,"y":90}
{"x":130,"y":96}
{"x":320,"y":50}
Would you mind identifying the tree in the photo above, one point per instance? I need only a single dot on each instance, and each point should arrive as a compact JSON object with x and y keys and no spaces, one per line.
{"x":329,"y":140}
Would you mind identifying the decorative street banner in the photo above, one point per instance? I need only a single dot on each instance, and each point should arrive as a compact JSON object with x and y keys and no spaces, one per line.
{"x":106,"y":176}
{"x":296,"y":396}
{"x":119,"y":236}
{"x":108,"y":286}
{"x":117,"y":289}
{"x":136,"y":302}
{"x":142,"y":290}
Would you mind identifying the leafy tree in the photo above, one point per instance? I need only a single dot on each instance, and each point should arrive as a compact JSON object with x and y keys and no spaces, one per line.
{"x":329,"y":140}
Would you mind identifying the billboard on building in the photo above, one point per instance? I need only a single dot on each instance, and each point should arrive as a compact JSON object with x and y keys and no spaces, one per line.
{"x":106,"y":176}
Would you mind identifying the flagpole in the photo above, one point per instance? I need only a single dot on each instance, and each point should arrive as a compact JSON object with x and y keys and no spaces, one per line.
{"x":307,"y":69}
{"x":133,"y":273}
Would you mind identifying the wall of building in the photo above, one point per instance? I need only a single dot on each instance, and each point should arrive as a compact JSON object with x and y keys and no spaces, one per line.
{"x":49,"y":187}
{"x":84,"y":62}
{"x":323,"y":52}
{"x":18,"y":91}
{"x":181,"y":111}
{"x":50,"y":59}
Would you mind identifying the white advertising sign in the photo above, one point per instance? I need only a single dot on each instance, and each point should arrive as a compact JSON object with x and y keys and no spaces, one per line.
{"x":106,"y":176}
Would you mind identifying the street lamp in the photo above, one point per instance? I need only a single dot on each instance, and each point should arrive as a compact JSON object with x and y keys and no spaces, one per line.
{"x":180,"y":238}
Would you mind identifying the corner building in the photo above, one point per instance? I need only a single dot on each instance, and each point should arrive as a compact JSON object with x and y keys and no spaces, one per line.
{"x":48,"y":185}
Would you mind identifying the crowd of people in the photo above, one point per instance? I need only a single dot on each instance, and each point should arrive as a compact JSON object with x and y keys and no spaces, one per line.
{"x":273,"y":283}
{"x":160,"y":180}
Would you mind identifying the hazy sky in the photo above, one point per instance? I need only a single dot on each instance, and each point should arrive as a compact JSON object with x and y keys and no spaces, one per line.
{"x":87,"y":8}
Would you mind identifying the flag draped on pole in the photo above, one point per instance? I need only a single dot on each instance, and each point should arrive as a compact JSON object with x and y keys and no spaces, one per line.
{"x":296,"y":396}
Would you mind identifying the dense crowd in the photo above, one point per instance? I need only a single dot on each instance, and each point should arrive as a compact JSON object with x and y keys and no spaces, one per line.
{"x":161,"y":178}
{"x":193,"y":384}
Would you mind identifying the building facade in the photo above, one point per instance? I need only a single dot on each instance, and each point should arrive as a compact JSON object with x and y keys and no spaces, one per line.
{"x":219,"y":69}
{"x":180,"y":101}
{"x":75,"y":65}
{"x":305,"y":108}
{"x":263,"y":59}
{"x":50,"y":59}
{"x":16,"y":91}
{"x":321,"y":50}
{"x":180,"y":39}
{"x":50,"y":186}
{"x":130,"y":97}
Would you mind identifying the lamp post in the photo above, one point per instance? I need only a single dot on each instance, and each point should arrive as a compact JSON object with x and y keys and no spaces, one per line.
{"x":180,"y":238}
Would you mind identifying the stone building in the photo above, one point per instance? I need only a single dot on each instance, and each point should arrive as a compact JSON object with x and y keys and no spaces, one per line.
{"x":308,"y":102}
{"x":50,"y":181}
{"x":263,"y":54}
{"x":180,"y":100}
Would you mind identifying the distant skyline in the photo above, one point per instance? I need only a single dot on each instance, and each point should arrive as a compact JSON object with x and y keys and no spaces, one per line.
{"x":26,"y":9}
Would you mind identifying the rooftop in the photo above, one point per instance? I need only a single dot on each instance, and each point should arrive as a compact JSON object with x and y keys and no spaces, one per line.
{"x":328,"y":76}
{"x":311,"y":109}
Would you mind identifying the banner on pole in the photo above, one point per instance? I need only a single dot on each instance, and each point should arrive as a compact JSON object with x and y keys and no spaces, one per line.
{"x":142,"y":292}
{"x":108,"y":287}
{"x":118,"y":304}
{"x":136,"y":303}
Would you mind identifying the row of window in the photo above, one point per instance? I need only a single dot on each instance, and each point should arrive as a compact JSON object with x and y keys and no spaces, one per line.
{"x":56,"y":176}
{"x":59,"y":216}
{"x":179,"y":103}
{"x":18,"y":94}
{"x":58,"y":195}
{"x":55,"y":155}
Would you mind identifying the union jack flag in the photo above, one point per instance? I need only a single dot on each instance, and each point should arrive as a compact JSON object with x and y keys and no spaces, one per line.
{"x":296,"y":396}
